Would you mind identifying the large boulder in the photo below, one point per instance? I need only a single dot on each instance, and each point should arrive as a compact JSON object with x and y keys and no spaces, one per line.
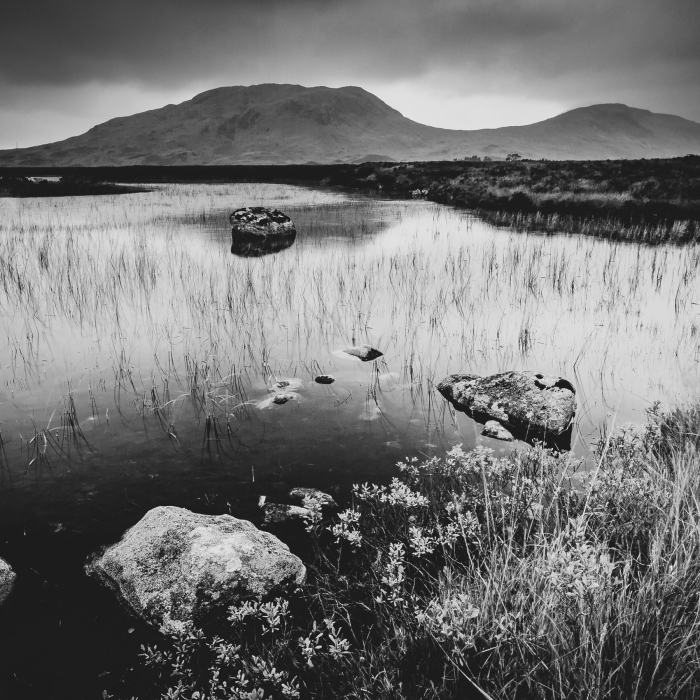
{"x":259,"y":221}
{"x":7,"y":580}
{"x":528,"y":404}
{"x":175,"y":567}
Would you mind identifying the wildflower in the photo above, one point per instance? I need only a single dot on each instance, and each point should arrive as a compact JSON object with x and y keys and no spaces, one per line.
{"x":420,"y":543}
{"x":346,"y":528}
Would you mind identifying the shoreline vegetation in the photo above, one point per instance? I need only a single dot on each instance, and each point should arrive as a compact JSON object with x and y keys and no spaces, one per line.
{"x":473,"y":575}
{"x":652,"y":201}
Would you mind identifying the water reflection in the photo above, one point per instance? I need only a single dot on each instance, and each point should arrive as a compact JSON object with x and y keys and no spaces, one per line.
{"x":249,"y":245}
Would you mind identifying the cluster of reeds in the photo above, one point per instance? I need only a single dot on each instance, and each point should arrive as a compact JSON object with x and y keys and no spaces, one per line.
{"x":613,"y":228}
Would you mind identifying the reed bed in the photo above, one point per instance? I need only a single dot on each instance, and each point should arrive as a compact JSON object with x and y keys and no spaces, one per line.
{"x":143,"y":289}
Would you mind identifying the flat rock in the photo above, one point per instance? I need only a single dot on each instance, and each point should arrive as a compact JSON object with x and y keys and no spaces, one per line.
{"x":260,"y":221}
{"x":525,"y":402}
{"x":175,"y":567}
{"x":366,"y":353}
{"x":495,"y":430}
{"x":301,"y":493}
{"x":278,"y":399}
{"x":286,"y":385}
{"x":282,"y":513}
{"x":7,"y":580}
{"x":324,"y":379}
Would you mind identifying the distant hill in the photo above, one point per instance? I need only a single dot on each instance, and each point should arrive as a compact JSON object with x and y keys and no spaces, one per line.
{"x":282,"y":124}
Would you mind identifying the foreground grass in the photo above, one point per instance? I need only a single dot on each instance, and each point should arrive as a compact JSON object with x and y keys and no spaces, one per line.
{"x":476,"y":576}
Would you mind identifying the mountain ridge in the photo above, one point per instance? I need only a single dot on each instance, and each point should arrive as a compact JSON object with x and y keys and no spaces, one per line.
{"x":286,"y":124}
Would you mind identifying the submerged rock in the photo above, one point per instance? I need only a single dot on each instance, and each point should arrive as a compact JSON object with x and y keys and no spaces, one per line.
{"x":366,"y":353}
{"x":324,"y":379}
{"x":301,"y":493}
{"x":287,"y":385}
{"x":260,"y":221}
{"x":175,"y":567}
{"x":7,"y":580}
{"x":495,"y":430}
{"x":527,"y":403}
{"x":281,"y":513}
{"x":277,"y":400}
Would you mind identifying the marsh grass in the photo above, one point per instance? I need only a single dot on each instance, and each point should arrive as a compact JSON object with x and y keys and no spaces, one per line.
{"x":144,"y":288}
{"x":477,"y":576}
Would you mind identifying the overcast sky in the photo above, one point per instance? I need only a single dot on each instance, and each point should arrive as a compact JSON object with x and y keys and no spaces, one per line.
{"x":66,"y":65}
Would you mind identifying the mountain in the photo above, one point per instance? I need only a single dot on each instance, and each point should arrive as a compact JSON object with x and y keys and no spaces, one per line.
{"x":281,"y":124}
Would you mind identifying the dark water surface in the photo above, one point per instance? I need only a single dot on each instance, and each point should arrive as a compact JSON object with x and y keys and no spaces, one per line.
{"x":139,"y":352}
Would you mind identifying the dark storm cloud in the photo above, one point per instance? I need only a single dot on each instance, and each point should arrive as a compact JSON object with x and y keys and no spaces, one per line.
{"x":596,"y":49}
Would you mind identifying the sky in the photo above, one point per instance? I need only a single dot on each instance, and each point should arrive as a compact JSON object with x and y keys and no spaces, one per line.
{"x":66,"y":65}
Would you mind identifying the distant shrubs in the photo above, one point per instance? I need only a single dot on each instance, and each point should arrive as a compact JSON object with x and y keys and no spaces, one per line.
{"x":526,"y":576}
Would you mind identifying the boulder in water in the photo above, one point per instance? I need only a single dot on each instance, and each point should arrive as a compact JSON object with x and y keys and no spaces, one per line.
{"x":175,"y":567}
{"x":527,"y":403}
{"x":259,"y":221}
{"x":7,"y":580}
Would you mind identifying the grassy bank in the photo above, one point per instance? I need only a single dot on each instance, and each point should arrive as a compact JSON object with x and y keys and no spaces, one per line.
{"x":477,"y":576}
{"x":60,"y":187}
{"x":650,"y":200}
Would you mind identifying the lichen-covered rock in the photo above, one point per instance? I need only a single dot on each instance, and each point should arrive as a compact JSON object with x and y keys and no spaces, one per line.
{"x":259,"y":221}
{"x":175,"y":567}
{"x":525,"y":402}
{"x":7,"y":580}
{"x":301,"y":493}
{"x":324,"y":379}
{"x":366,"y":353}
{"x":495,"y":430}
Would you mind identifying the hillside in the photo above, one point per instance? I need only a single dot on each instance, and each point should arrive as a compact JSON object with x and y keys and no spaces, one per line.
{"x":281,"y":124}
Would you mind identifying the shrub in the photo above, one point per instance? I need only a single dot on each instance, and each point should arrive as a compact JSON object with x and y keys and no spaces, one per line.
{"x":526,"y":576}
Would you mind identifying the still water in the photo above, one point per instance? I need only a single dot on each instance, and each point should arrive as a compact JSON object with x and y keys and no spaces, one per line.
{"x":139,"y":350}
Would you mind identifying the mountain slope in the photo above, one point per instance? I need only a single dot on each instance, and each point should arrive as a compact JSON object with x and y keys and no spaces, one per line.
{"x":281,"y":124}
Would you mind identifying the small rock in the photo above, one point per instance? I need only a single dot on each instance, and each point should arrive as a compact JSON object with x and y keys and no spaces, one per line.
{"x":495,"y":430}
{"x":300,"y":493}
{"x":288,"y":384}
{"x":7,"y":580}
{"x":281,"y":513}
{"x":324,"y":379}
{"x":277,"y":400}
{"x":366,"y":353}
{"x":175,"y":568}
